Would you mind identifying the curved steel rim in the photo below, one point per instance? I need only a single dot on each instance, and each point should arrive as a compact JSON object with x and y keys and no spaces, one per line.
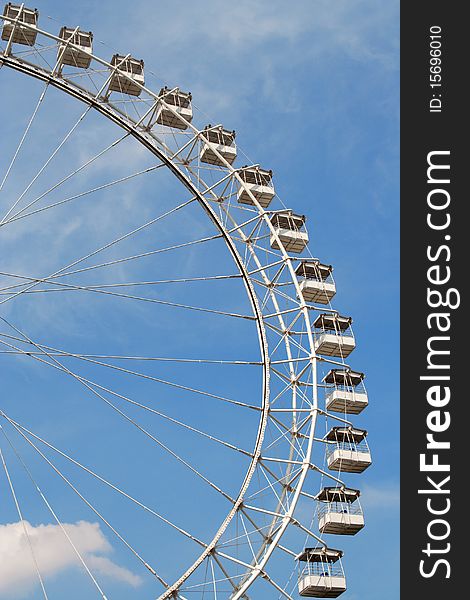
{"x":149,"y":141}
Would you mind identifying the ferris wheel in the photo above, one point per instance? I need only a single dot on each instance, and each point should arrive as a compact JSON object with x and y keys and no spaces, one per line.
{"x":174,"y":374}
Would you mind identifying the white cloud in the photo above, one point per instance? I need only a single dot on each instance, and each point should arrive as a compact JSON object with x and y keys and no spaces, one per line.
{"x":54,"y":554}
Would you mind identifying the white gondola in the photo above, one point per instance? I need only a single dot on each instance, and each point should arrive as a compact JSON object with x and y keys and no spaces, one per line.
{"x":316,"y":281}
{"x":128,"y":77}
{"x":346,"y":392}
{"x":290,"y":228}
{"x":174,"y":101}
{"x":221,"y":140}
{"x":259,"y":182}
{"x":21,"y":35}
{"x":322,"y":575}
{"x":333,"y":335}
{"x":79,"y":55}
{"x":347,"y":450}
{"x":339,"y":511}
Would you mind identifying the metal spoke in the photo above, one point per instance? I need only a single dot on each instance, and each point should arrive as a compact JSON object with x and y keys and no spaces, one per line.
{"x":45,"y":165}
{"x":22,"y":521}
{"x":20,"y":145}
{"x":98,"y":290}
{"x":58,"y":275}
{"x":95,"y":511}
{"x":90,"y":387}
{"x":51,"y":352}
{"x":287,"y":403}
{"x":54,"y":515}
{"x":101,"y":249}
{"x":20,"y":214}
{"x":105,"y":481}
{"x":3,"y":291}
{"x":150,"y":359}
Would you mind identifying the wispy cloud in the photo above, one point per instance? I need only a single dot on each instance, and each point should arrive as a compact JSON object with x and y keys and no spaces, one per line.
{"x":54,"y":555}
{"x":381,"y":495}
{"x":249,"y":52}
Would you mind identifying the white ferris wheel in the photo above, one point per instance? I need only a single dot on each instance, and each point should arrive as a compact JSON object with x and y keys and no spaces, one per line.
{"x":172,"y":366}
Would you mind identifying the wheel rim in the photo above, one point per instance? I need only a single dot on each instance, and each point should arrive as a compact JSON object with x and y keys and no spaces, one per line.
{"x":206,"y":194}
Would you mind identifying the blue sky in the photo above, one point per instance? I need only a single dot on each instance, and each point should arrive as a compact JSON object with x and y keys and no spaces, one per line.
{"x":311,"y":87}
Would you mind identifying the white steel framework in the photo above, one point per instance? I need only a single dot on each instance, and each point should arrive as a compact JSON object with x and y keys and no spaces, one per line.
{"x":280,"y":468}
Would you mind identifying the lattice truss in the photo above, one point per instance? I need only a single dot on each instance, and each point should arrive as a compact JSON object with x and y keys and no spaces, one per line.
{"x":298,"y":420}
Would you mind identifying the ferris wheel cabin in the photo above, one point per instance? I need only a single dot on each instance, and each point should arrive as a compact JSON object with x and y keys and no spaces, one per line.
{"x":259,"y":183}
{"x":333,"y":335}
{"x":345,"y":391}
{"x":78,"y":55}
{"x":322,"y":574}
{"x":19,"y":34}
{"x":339,"y":511}
{"x":316,"y":281}
{"x":290,"y":229}
{"x":218,"y":139}
{"x":127,"y":76}
{"x":175,"y":108}
{"x":347,"y":450}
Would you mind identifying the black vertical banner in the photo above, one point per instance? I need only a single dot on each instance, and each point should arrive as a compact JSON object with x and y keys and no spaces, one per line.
{"x":435,"y":322}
